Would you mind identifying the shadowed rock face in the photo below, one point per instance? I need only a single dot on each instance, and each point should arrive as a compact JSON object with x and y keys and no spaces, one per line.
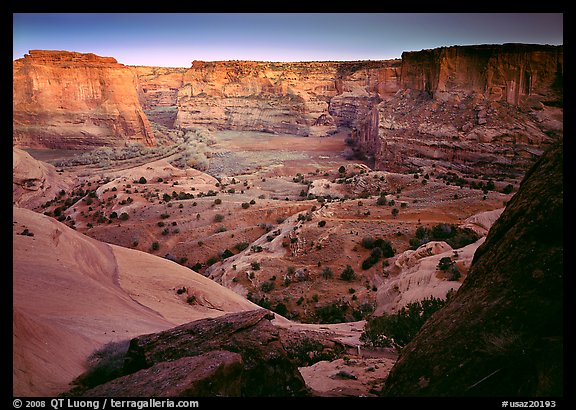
{"x":502,"y":334}
{"x":239,"y":354}
{"x":72,"y":100}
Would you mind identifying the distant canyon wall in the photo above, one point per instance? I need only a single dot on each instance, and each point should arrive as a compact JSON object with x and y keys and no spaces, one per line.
{"x":306,"y":98}
{"x":490,"y":109}
{"x":72,"y":100}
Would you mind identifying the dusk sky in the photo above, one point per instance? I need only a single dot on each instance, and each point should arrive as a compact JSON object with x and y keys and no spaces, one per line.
{"x":175,"y":40}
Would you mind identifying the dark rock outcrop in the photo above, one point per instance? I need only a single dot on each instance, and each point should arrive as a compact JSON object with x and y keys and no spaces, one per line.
{"x":215,"y":373}
{"x":238,"y":354}
{"x":502,"y":333}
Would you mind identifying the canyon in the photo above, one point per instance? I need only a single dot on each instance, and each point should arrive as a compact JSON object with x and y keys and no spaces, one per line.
{"x":250,"y":195}
{"x":486,"y":107}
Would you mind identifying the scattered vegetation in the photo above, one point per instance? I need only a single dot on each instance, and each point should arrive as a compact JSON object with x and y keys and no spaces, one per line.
{"x":105,"y":364}
{"x":397,"y":330}
{"x":453,"y":235}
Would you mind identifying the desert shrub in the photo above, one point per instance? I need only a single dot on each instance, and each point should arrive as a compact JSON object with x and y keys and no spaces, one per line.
{"x":155,"y":246}
{"x":212,"y":260}
{"x":327,"y":273}
{"x":281,"y":309}
{"x":333,"y":313}
{"x":105,"y":364}
{"x":142,"y":180}
{"x":240,"y":246}
{"x":226,"y":254}
{"x":255,"y":265}
{"x":453,"y":235}
{"x":445,"y":263}
{"x":245,"y":205}
{"x":348,"y":274}
{"x":400,"y":328}
{"x":123,"y":216}
{"x":218,"y":218}
{"x":321,"y":224}
{"x":267,"y":286}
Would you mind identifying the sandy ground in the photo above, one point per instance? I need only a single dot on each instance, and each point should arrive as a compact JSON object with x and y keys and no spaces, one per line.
{"x":76,"y":290}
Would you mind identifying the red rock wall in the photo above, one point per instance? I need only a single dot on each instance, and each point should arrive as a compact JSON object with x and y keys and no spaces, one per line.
{"x":72,"y":100}
{"x":485,"y":109}
{"x":509,"y":72}
{"x":304,"y":98}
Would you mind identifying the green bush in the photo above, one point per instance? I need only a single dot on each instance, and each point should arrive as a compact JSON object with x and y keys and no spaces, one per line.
{"x":400,"y":328}
{"x":453,"y":235}
{"x":267,"y":286}
{"x":240,"y":246}
{"x":348,"y":274}
{"x":332,"y":313}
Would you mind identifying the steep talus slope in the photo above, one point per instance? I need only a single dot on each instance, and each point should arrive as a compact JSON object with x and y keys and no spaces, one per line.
{"x":72,"y":100}
{"x":502,"y":333}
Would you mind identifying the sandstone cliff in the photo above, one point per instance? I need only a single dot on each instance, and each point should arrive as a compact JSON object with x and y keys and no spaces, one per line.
{"x":72,"y":100}
{"x":502,"y":333}
{"x":488,"y":109}
{"x":158,"y":92}
{"x":307,"y":98}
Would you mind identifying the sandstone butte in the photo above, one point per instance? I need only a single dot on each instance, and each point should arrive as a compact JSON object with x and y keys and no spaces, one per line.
{"x":72,"y":100}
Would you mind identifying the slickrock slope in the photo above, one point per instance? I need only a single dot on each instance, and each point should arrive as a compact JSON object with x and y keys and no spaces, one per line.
{"x":502,"y":333}
{"x":35,"y":182}
{"x":72,"y":100}
{"x":307,"y":98}
{"x":73,"y":294}
{"x":488,"y":109}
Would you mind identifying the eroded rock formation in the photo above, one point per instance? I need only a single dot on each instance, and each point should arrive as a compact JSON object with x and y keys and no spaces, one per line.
{"x":158,"y":92}
{"x":488,"y":109}
{"x":308,"y":98}
{"x":72,"y":100}
{"x":502,"y":333}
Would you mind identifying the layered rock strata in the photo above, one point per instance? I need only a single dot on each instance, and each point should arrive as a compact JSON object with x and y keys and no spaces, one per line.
{"x":488,"y":109}
{"x":72,"y":100}
{"x":307,"y":98}
{"x":158,"y":92}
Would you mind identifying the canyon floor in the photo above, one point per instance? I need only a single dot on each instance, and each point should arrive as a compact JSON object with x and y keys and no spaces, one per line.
{"x":276,"y":219}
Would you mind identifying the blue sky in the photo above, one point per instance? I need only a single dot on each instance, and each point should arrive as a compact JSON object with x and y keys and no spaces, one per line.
{"x":175,"y":40}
